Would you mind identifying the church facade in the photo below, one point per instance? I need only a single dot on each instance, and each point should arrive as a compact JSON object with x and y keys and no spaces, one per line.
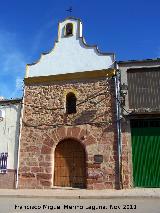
{"x":69,"y":135}
{"x":85,"y":120}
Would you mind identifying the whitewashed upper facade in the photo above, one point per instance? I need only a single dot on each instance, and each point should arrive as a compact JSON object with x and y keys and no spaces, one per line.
{"x":70,"y":54}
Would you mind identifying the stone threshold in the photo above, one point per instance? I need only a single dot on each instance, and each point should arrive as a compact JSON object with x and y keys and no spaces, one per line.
{"x":65,"y":188}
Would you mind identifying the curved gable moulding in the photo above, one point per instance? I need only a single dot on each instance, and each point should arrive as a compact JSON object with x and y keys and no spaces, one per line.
{"x":70,"y":54}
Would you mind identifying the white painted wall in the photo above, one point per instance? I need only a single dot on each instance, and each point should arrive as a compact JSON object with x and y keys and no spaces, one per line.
{"x":70,"y":55}
{"x":9,"y":133}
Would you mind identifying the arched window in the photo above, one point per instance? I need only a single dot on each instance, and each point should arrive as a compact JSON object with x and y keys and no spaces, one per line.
{"x":69,"y":29}
{"x":71,"y":103}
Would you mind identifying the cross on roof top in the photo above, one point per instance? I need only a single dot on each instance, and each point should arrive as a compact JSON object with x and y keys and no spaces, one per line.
{"x":69,"y":10}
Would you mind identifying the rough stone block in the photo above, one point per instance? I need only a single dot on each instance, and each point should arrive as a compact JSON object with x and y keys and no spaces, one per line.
{"x":48,"y":141}
{"x":45,"y":183}
{"x":46,"y":150}
{"x":28,"y":175}
{"x":44,"y":176}
{"x":99,"y":186}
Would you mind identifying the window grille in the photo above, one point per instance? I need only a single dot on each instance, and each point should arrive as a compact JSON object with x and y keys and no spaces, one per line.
{"x":143,"y":88}
{"x":3,"y":162}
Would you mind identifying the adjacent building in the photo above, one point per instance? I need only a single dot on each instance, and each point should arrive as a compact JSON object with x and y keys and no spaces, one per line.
{"x":140,"y":108}
{"x":10,"y":111}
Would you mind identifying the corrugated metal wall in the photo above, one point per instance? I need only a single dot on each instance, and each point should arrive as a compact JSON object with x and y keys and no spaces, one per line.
{"x":144,"y":88}
{"x":146,"y":152}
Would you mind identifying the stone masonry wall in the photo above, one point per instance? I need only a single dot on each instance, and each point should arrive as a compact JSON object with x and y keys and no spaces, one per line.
{"x":45,"y":124}
{"x":127,"y":180}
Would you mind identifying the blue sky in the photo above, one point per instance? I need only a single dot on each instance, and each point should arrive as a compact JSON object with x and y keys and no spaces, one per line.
{"x":130,"y":29}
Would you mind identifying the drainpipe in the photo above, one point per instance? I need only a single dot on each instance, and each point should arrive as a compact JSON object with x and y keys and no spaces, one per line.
{"x":118,"y":123}
{"x":20,"y":130}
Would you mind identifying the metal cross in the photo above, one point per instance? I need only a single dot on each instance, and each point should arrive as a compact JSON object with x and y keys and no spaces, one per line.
{"x":69,"y":10}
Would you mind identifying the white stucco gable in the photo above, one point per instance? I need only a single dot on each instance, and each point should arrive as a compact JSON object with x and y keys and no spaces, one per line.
{"x":70,"y":54}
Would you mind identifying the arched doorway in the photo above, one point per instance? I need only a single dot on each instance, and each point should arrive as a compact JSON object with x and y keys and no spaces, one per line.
{"x":70,"y":164}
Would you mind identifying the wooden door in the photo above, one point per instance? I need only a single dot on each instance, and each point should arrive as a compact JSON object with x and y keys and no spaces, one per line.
{"x":70,"y":168}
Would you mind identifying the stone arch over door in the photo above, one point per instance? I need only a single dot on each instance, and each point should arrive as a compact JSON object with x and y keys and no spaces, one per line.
{"x":70,"y":164}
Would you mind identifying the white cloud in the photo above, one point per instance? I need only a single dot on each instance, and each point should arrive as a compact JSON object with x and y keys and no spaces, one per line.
{"x":5,"y":90}
{"x":12,"y":64}
{"x":19,"y":83}
{"x":13,"y":60}
{"x":11,"y":90}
